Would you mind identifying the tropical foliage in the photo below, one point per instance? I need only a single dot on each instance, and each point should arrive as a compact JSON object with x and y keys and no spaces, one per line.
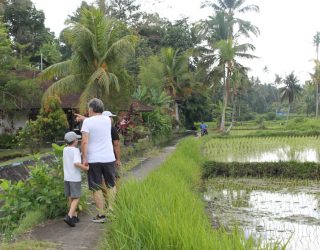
{"x":93,"y":69}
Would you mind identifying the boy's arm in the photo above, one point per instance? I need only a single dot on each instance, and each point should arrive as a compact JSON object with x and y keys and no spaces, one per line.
{"x":81,"y":166}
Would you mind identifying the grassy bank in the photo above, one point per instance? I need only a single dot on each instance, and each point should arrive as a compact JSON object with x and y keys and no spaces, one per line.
{"x":165,"y":211}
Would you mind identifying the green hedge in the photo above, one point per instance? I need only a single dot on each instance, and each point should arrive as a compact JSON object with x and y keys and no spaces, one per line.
{"x":299,"y":170}
{"x":166,"y":211}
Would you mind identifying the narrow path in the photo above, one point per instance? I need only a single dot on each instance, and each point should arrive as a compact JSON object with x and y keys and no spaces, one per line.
{"x":86,"y":235}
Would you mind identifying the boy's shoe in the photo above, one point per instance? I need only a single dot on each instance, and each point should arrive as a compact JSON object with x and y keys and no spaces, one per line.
{"x":69,"y":221}
{"x":99,"y":219}
{"x":75,"y":219}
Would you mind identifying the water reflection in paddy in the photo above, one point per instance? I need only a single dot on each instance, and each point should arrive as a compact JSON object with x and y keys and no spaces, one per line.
{"x":276,"y":216}
{"x":277,"y":154}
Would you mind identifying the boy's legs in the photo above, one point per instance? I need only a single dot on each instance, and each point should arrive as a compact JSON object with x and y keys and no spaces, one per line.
{"x":73,"y":192}
{"x":73,"y":206}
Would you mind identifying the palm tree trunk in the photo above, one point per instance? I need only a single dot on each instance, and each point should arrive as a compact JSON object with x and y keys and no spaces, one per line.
{"x":233,"y":117}
{"x":176,"y":108}
{"x":317,"y":83}
{"x":223,"y":115}
{"x":288,"y":112}
{"x":317,"y":100}
{"x":225,"y":102}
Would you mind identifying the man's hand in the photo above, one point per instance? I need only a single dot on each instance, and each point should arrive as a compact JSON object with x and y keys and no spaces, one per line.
{"x":86,"y":167}
{"x":85,"y":162}
{"x":118,"y":163}
{"x":80,"y":118}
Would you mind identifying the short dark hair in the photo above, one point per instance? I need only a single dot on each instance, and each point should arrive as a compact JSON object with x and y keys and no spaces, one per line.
{"x":69,"y":142}
{"x":96,"y":105}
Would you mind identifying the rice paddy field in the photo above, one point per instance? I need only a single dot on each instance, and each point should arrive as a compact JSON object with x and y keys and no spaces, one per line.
{"x":271,"y":210}
{"x":263,"y":149}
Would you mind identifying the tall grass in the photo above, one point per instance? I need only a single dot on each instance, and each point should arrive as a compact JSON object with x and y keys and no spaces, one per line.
{"x":165,"y":211}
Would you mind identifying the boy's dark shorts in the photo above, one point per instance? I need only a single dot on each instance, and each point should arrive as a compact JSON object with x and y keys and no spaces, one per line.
{"x":72,"y":189}
{"x":97,"y":171}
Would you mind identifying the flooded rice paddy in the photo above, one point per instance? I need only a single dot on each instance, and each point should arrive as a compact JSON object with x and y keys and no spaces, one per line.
{"x":281,"y":215}
{"x":301,"y":149}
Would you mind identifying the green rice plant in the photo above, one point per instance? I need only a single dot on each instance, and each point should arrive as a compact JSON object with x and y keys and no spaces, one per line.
{"x":255,"y":149}
{"x":165,"y":211}
{"x":296,"y":170}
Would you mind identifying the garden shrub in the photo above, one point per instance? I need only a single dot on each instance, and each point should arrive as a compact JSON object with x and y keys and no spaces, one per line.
{"x":51,"y":124}
{"x":7,"y":141}
{"x":270,"y":116}
{"x":42,"y":190}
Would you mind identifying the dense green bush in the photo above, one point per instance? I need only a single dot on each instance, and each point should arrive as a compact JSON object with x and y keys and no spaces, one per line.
{"x":248,"y":116}
{"x":7,"y":141}
{"x":51,"y":124}
{"x":42,"y":193}
{"x":303,"y":124}
{"x":270,"y":116}
{"x":300,"y":170}
{"x":158,"y":123}
{"x":43,"y":190}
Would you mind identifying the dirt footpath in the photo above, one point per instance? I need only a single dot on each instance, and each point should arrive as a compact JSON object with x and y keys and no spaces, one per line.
{"x":86,"y":234}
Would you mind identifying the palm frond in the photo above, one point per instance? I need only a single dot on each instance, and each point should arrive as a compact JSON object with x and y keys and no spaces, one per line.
{"x":59,"y":70}
{"x":66,"y":85}
{"x":123,"y":46}
{"x":247,"y":8}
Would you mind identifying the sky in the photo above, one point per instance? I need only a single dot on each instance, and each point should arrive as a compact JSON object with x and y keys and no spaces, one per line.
{"x":286,"y":28}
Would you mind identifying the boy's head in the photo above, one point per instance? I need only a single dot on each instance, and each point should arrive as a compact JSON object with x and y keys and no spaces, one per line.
{"x":71,"y":138}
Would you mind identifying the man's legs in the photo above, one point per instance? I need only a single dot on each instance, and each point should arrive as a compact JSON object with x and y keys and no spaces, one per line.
{"x":111,"y":197}
{"x":109,"y":174}
{"x":99,"y":200}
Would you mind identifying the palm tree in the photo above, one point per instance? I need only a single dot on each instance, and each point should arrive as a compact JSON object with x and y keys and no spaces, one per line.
{"x":228,"y":54}
{"x":98,"y":52}
{"x":316,"y":42}
{"x":230,"y":8}
{"x":290,"y":90}
{"x":175,"y":71}
{"x":224,"y":30}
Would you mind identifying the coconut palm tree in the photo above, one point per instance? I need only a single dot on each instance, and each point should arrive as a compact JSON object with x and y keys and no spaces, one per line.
{"x":290,"y":90}
{"x":99,"y":49}
{"x":230,"y":8}
{"x":175,"y":72}
{"x":224,"y":30}
{"x":229,"y":52}
{"x":316,"y":42}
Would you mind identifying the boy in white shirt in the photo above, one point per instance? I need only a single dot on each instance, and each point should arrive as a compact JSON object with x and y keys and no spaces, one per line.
{"x":72,"y":176}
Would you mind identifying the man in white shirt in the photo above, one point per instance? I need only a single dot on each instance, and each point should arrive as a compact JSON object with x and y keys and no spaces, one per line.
{"x":97,"y":152}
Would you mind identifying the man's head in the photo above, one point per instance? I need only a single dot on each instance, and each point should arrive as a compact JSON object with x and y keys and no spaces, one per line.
{"x":71,"y":138}
{"x":95,"y":106}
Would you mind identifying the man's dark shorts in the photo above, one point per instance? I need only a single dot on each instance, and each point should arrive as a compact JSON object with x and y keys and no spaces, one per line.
{"x":99,"y":170}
